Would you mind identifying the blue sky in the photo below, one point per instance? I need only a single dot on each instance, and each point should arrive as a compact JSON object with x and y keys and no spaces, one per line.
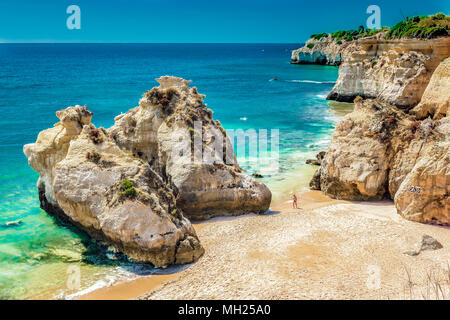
{"x":205,"y":21}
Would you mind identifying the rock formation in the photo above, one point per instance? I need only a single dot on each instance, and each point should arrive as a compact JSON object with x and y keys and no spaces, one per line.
{"x":426,"y":243}
{"x":435,"y":102}
{"x":318,"y":160}
{"x":129,"y":186}
{"x":324,"y":51}
{"x":380,"y":151}
{"x":208,"y":187}
{"x":395,"y":142}
{"x":87,"y":180}
{"x":394,"y":71}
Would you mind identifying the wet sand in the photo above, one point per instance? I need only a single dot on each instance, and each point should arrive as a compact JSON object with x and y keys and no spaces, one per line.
{"x":328,"y":249}
{"x":132,"y":289}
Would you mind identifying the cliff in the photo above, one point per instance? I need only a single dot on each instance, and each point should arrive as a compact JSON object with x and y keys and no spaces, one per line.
{"x":435,"y":102}
{"x":380,"y":151}
{"x":395,"y":71}
{"x":131,"y":186}
{"x":395,"y":142}
{"x":323,"y":51}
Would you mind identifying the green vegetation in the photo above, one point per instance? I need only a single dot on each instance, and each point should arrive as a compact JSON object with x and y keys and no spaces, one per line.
{"x":319,"y":36}
{"x":127,"y":188}
{"x":347,"y":35}
{"x":421,"y":27}
{"x":424,"y":27}
{"x":350,"y":35}
{"x":310,"y":45}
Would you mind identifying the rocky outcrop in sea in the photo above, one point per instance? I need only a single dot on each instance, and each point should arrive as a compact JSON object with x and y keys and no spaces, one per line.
{"x":134,"y":185}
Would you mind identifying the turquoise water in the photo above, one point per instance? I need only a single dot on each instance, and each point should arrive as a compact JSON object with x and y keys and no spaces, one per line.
{"x":38,"y":79}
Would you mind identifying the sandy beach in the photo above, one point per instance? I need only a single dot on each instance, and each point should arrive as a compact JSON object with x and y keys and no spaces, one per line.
{"x":328,"y":249}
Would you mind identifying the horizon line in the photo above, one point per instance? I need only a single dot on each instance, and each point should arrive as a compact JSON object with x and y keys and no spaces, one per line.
{"x":7,"y":42}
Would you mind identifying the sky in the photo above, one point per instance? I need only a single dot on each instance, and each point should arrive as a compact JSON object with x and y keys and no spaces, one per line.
{"x":196,"y":21}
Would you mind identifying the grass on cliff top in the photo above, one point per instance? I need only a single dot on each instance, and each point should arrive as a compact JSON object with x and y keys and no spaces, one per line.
{"x":349,"y":35}
{"x":424,"y":27}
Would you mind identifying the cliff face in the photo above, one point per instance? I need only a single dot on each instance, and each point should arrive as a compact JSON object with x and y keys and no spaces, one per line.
{"x":129,"y":186}
{"x":435,"y":102}
{"x":395,"y":143}
{"x":393,"y":71}
{"x":381,"y":151}
{"x":324,"y":51}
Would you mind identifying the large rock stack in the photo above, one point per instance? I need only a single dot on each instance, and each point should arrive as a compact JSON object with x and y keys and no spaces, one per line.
{"x":130,"y":188}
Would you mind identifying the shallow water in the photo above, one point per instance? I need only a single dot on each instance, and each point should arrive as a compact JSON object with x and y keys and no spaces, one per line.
{"x":37,"y":254}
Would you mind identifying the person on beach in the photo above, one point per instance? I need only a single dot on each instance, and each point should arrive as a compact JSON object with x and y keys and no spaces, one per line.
{"x":294,"y":201}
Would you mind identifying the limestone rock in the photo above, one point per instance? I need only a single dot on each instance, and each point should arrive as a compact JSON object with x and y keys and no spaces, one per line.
{"x":435,"y":101}
{"x":379,"y":151}
{"x":355,"y":166}
{"x":161,"y":130}
{"x":314,"y":184}
{"x":82,"y":173}
{"x":324,"y":51}
{"x":318,"y":160}
{"x":426,"y":243}
{"x":423,"y":195}
{"x":394,"y":71}
{"x":130,"y":186}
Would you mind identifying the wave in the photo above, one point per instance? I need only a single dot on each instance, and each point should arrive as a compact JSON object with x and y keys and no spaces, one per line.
{"x":320,"y":143}
{"x":98,"y":285}
{"x":312,"y":81}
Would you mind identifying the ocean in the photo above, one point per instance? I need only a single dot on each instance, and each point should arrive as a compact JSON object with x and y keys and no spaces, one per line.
{"x":38,"y":254}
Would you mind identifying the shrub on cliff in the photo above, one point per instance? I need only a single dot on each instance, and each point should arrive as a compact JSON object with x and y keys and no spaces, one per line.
{"x":127,"y":188}
{"x":310,"y":45}
{"x":424,"y":27}
{"x":319,"y":36}
{"x":350,"y":35}
{"x":421,"y":27}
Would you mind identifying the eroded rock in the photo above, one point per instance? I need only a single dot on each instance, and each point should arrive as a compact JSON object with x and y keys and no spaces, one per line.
{"x":85,"y":190}
{"x":393,"y":71}
{"x":173,"y":117}
{"x":426,"y":243}
{"x":379,"y":151}
{"x":318,"y":160}
{"x":130,"y":186}
{"x":435,"y":102}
